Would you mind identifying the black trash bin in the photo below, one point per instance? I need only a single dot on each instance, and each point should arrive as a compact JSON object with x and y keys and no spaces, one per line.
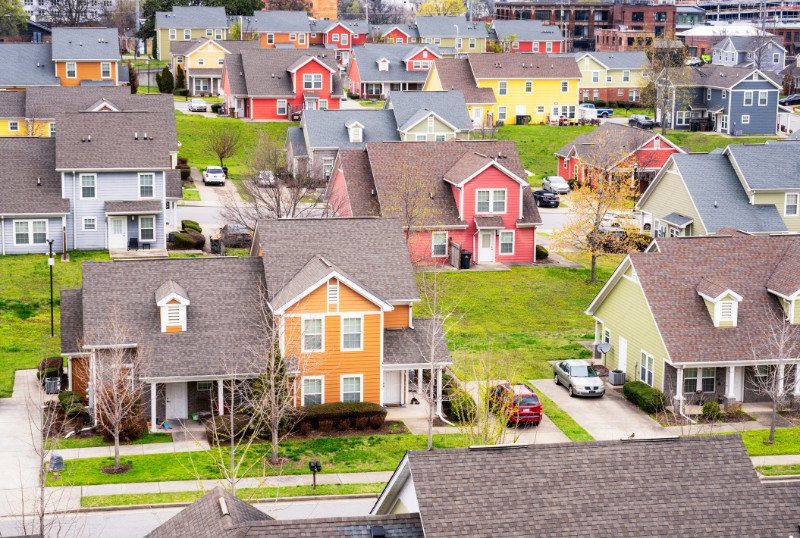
{"x":225,"y":170}
{"x":216,"y":245}
{"x":466,"y":259}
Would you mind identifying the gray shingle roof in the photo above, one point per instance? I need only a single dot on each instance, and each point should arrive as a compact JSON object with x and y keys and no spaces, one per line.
{"x":528,"y":66}
{"x":174,"y":186}
{"x":25,"y":161}
{"x":129,"y":207}
{"x":27,"y":64}
{"x":111,"y":131}
{"x":411,"y":107}
{"x":678,"y":220}
{"x":412,"y":346}
{"x":47,"y":102}
{"x":86,"y":44}
{"x":748,"y":43}
{"x":711,"y":180}
{"x":367,"y":57}
{"x":236,"y":79}
{"x":382,"y":29}
{"x":372,"y":251}
{"x":219,"y":319}
{"x":356,"y":26}
{"x":71,"y":305}
{"x":608,"y":144}
{"x":768,"y":166}
{"x":360,"y":187}
{"x":527,"y":30}
{"x":296,"y":140}
{"x":439,"y":26}
{"x":621,"y":60}
{"x":460,"y":492}
{"x":276,"y":21}
{"x":326,"y":128}
{"x":259,"y":66}
{"x":232,"y":46}
{"x":192,"y":17}
{"x":395,"y":526}
{"x":717,"y":76}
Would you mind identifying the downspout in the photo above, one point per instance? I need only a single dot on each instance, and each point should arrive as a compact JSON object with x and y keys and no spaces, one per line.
{"x":3,"y":233}
{"x":74,"y":213}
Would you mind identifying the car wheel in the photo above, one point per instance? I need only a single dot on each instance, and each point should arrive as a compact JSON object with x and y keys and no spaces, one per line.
{"x":538,"y":203}
{"x":555,"y":205}
{"x":555,"y":379}
{"x":571,"y":393}
{"x":204,"y":182}
{"x":536,"y":423}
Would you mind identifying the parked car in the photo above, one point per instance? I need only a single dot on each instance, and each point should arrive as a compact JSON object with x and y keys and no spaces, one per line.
{"x":643,"y":122}
{"x":546,"y":198}
{"x":621,"y":219}
{"x":693,"y":61}
{"x":236,"y":236}
{"x":518,"y":403}
{"x":790,"y":100}
{"x":198,"y":105}
{"x":265,"y":178}
{"x":556,"y":184}
{"x":579,"y":378}
{"x":214,"y":174}
{"x":297,"y":115}
{"x":622,"y":240}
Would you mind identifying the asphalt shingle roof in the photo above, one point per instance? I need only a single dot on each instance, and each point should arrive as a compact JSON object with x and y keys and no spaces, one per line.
{"x":71,"y":306}
{"x":296,"y":140}
{"x":86,"y":44}
{"x":27,"y":64}
{"x":266,"y":71}
{"x":710,"y":180}
{"x":133,"y":206}
{"x":786,"y":278}
{"x":621,"y":60}
{"x":382,"y":29}
{"x":768,"y":166}
{"x":25,"y":162}
{"x":527,"y":30}
{"x":360,"y":187}
{"x":411,"y":107}
{"x":47,"y":102}
{"x":529,"y":66}
{"x":276,"y":21}
{"x":461,"y":492}
{"x":677,"y":219}
{"x":192,"y":17}
{"x":412,"y":346}
{"x":456,"y":74}
{"x":232,"y":46}
{"x":326,"y":128}
{"x":607,"y":145}
{"x":367,"y":57}
{"x":717,"y":76}
{"x":12,"y":105}
{"x":440,"y":26}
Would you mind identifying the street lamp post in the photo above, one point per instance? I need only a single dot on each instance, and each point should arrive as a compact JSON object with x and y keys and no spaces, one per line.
{"x":50,"y":262}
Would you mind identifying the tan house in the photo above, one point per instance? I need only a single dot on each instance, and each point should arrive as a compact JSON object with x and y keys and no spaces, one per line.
{"x":186,"y":23}
{"x":202,"y":61}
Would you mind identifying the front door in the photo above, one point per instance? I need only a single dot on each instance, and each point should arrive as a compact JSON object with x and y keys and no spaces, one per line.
{"x":477,"y":117}
{"x":177,"y":405}
{"x":622,"y":351}
{"x":393,"y":387}
{"x":738,"y":383}
{"x":485,"y":247}
{"x":117,"y":232}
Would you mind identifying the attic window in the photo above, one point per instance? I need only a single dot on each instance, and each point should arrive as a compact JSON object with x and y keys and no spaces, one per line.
{"x":722,"y":304}
{"x":383,"y":65}
{"x":333,"y":292}
{"x":356,"y":135}
{"x":172,"y":299}
{"x":727,"y":311}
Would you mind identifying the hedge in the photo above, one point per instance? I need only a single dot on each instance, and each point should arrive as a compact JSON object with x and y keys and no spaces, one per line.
{"x":350,"y":412}
{"x":644,"y":396}
{"x":186,"y":174}
{"x":191,"y":225}
{"x":68,"y":398}
{"x":77,"y":410}
{"x":189,"y":240}
{"x":462,"y":407}
{"x":541,"y":252}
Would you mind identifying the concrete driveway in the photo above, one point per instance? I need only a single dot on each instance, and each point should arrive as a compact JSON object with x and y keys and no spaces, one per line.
{"x":183,"y":106}
{"x":609,"y":417}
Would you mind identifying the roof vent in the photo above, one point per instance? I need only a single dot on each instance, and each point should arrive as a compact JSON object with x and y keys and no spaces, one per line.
{"x":431,"y":195}
{"x":38,"y":182}
{"x":89,"y":138}
{"x":372,"y":192}
{"x":223,"y":507}
{"x":136,"y":136}
{"x":377,"y":531}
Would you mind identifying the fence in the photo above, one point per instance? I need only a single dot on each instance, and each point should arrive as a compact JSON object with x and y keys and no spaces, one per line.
{"x":455,"y":254}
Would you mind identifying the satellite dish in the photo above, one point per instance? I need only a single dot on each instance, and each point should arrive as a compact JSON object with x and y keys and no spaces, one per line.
{"x":604,"y":347}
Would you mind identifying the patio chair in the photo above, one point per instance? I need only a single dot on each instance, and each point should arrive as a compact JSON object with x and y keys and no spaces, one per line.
{"x":133,"y":243}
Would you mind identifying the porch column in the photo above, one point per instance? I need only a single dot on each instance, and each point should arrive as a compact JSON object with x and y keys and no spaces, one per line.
{"x":781,"y":374}
{"x":438,"y":391}
{"x":730,"y":377}
{"x":796,"y":391}
{"x":679,"y":384}
{"x":220,"y":397}
{"x":419,"y":379}
{"x":153,"y":401}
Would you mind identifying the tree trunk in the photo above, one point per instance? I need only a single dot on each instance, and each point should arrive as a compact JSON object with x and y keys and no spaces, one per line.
{"x":773,"y":421}
{"x":431,"y":408}
{"x":275,"y":443}
{"x":594,"y":269}
{"x":116,"y":448}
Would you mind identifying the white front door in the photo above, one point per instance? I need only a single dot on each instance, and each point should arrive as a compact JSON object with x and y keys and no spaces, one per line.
{"x":117,"y":232}
{"x":177,"y":404}
{"x":477,"y":117}
{"x":393,"y":387}
{"x":622,"y":351}
{"x":485,"y":247}
{"x":738,"y":383}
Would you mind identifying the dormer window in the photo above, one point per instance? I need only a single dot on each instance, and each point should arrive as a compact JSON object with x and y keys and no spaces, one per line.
{"x":727,"y":312}
{"x":172,"y":300}
{"x":722,"y":304}
{"x":383,"y":64}
{"x":355,"y":132}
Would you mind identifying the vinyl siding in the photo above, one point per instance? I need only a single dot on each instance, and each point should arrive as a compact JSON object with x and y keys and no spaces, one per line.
{"x":546,"y":93}
{"x":397,"y":318}
{"x":763,"y":119}
{"x":778,"y":199}
{"x":283,"y":38}
{"x":450,"y":43}
{"x":53,"y":232}
{"x":670,"y":195}
{"x":84,"y":71}
{"x":164,"y":42}
{"x":210,"y":53}
{"x":438,"y":128}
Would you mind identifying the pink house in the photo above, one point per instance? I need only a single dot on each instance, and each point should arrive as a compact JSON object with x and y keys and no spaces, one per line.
{"x":472,"y":193}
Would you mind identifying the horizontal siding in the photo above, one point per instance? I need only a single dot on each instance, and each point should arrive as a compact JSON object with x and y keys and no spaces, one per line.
{"x":54,"y":231}
{"x":669,"y":196}
{"x":778,"y":199}
{"x":397,"y":318}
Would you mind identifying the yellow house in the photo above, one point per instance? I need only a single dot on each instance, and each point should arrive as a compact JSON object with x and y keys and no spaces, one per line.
{"x":202,"y":60}
{"x":612,"y":76}
{"x":187,"y":23}
{"x":453,"y":33}
{"x":456,"y":74}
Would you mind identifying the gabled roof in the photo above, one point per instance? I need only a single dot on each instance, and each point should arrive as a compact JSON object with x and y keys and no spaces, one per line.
{"x":276,"y":21}
{"x":192,"y":17}
{"x":170,"y":287}
{"x":367,"y":56}
{"x":409,"y":30}
{"x":410,"y":108}
{"x":442,"y":26}
{"x":371,"y":252}
{"x":300,"y":62}
{"x":748,"y":43}
{"x":785,"y":280}
{"x":528,"y":66}
{"x":328,"y":128}
{"x":185,"y":48}
{"x":47,"y":102}
{"x":610,"y":144}
{"x":721,"y":76}
{"x":767,"y":166}
{"x":527,"y":30}
{"x":619,"y":60}
{"x":12,"y":105}
{"x":472,"y":164}
{"x":714,"y":291}
{"x":360,"y":187}
{"x":27,"y":64}
{"x":266,"y":71}
{"x":85,"y":44}
{"x":414,"y":52}
{"x":296,"y":140}
{"x":354,"y":26}
{"x":28,"y":175}
{"x":456,"y":74}
{"x":408,"y":346}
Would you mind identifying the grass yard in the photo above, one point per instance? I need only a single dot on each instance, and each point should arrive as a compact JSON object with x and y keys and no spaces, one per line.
{"x":25,"y":309}
{"x":787,"y":441}
{"x":337,"y":454}
{"x":248,"y":494}
{"x":142,"y":63}
{"x":703,"y":143}
{"x":562,"y":420}
{"x":193,"y":131}
{"x":622,"y":113}
{"x":379,"y":103}
{"x":778,"y":470}
{"x":97,"y":441}
{"x":191,"y":193}
{"x":240,"y":252}
{"x":147,"y":89}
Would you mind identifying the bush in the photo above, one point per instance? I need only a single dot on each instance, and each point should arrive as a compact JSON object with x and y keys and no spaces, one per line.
{"x":189,"y":240}
{"x":362,"y":423}
{"x":541,"y":252}
{"x":216,"y":107}
{"x":50,"y":367}
{"x":218,"y":429}
{"x":711,"y":411}
{"x":186,"y":174}
{"x":326,"y":425}
{"x":305,"y":428}
{"x":462,"y":406}
{"x":599,"y":104}
{"x":181,"y":92}
{"x":644,"y":396}
{"x":350,"y":412}
{"x":77,"y":411}
{"x":376,"y":421}
{"x":191,"y":225}
{"x":68,"y":398}
{"x":183,"y":162}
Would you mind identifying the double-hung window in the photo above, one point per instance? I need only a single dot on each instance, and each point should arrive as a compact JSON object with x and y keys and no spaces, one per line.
{"x":748,"y":98}
{"x":327,"y":166}
{"x":595,"y":76}
{"x":439,"y":241}
{"x":472,"y":42}
{"x":626,"y":76}
{"x":763,"y":98}
{"x":528,"y":86}
{"x":491,"y":201}
{"x":501,"y":113}
{"x":549,"y":46}
{"x":173,"y":34}
{"x":30,"y":232}
{"x":564,"y":86}
{"x":507,"y":242}
{"x":281,"y":107}
{"x":72,"y":70}
{"x":146,"y":185}
{"x":147,"y":228}
{"x":351,"y":334}
{"x":292,"y":37}
{"x":187,"y":34}
{"x":105,"y":70}
{"x":646,"y":368}
{"x":270,"y":39}
{"x":502,"y":88}
{"x":89,"y":224}
{"x":301,"y":39}
{"x":351,"y":388}
{"x":790,"y":207}
{"x":88,"y":186}
{"x":313,"y":391}
{"x":699,"y":379}
{"x":52,"y":129}
{"x":312,"y":334}
{"x":13,"y":126}
{"x":312,"y":82}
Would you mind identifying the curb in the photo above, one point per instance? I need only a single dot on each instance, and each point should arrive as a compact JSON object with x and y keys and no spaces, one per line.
{"x":780,"y":478}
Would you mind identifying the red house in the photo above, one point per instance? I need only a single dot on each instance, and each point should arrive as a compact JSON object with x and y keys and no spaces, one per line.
{"x":618,"y":147}
{"x":341,"y":36}
{"x":527,"y":36}
{"x":472,"y":193}
{"x":399,"y":34}
{"x":270,"y":84}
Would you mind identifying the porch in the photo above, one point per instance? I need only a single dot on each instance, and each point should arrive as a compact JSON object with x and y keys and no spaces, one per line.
{"x":136,"y":225}
{"x":181,"y":402}
{"x":696,"y":385}
{"x":203,"y":82}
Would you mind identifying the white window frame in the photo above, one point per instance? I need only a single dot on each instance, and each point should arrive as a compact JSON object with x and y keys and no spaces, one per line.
{"x":94,"y":186}
{"x":221,"y":61}
{"x":595,"y":77}
{"x":103,"y":67}
{"x":723,"y":124}
{"x":501,"y":113}
{"x":708,"y":94}
{"x":13,"y":126}
{"x":344,"y":41}
{"x":321,"y":379}
{"x":515,"y":45}
{"x":52,"y":129}
{"x":724,"y":94}
{"x":492,"y":201}
{"x":360,"y":386}
{"x":745,"y":119}
{"x":748,"y":96}
{"x":270,"y":39}
{"x":540,"y":109}
{"x":322,"y":104}
{"x":218,"y":34}
{"x":682,"y":117}
{"x":500,"y":242}
{"x":29,"y":231}
{"x":201,"y":61}
{"x":152,"y":185}
{"x":421,"y":138}
{"x":179,"y":59}
{"x":310,"y":81}
{"x":141,"y":218}
{"x":205,"y":386}
{"x":626,"y":76}
{"x":187,"y":34}
{"x":301,"y":39}
{"x":606,"y":335}
{"x":303,"y":347}
{"x":796,"y":204}
{"x":620,"y":92}
{"x":502,"y":87}
{"x":335,"y":38}
{"x":528,"y":86}
{"x":765,"y":95}
{"x":343,"y":317}
{"x":327,"y":166}
{"x":433,"y":244}
{"x":202,"y":84}
{"x":564,"y":86}
{"x":281,"y":105}
{"x":776,"y":58}
{"x":292,"y":37}
{"x":209,"y":31}
{"x":173,"y":34}
{"x":647,"y":367}
{"x":93,"y":221}
{"x":472,"y":42}
{"x":74,"y":69}
{"x":549,"y":46}
{"x":698,"y":378}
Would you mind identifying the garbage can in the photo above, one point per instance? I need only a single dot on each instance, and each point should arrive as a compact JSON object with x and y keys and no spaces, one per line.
{"x":216,"y":244}
{"x":52,"y":385}
{"x":616,"y":377}
{"x":466,"y":258}
{"x":523,"y":119}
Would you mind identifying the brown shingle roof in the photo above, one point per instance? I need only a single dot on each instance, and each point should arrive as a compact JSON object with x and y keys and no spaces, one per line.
{"x":44,"y":102}
{"x":786,"y":278}
{"x":465,"y":167}
{"x":235,"y":74}
{"x":528,"y":66}
{"x":456,"y":74}
{"x":709,"y":288}
{"x":608,"y":144}
{"x":12,"y":105}
{"x":412,"y":346}
{"x":71,"y":321}
{"x":26,"y":162}
{"x":128,"y":207}
{"x":360,"y":185}
{"x":395,"y":526}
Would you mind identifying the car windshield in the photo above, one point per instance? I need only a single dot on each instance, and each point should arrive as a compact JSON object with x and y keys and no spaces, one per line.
{"x":198,"y":102}
{"x":582,"y":371}
{"x":526,"y":400}
{"x":212,"y":170}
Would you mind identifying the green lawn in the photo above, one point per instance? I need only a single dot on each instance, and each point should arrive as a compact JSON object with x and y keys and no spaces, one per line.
{"x":337,"y":454}
{"x":379,"y":103}
{"x":703,"y":143}
{"x":193,"y":131}
{"x":787,"y":441}
{"x":562,"y":420}
{"x":622,"y":113}
{"x":249,"y":494}
{"x":777,"y":470}
{"x":240,"y":252}
{"x":142,"y":63}
{"x":191,"y":193}
{"x":147,"y":89}
{"x":25,"y":309}
{"x":97,"y":441}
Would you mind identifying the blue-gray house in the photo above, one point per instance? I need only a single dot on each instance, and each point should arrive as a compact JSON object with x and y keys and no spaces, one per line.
{"x":764,"y":52}
{"x":728,"y":100}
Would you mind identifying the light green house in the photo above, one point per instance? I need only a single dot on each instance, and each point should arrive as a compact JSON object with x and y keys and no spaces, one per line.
{"x":185,"y":23}
{"x":752,"y":188}
{"x":456,"y":34}
{"x":691,"y":316}
{"x":430,"y":116}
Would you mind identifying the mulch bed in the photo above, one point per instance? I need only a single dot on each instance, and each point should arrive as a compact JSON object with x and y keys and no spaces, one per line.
{"x":390,"y":427}
{"x":668,"y":418}
{"x":120,"y":469}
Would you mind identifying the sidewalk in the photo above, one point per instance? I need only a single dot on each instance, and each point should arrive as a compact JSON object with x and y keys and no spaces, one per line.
{"x":133,"y":450}
{"x":789,"y":459}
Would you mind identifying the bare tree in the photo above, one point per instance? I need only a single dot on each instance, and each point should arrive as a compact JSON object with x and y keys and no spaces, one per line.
{"x":664,"y":80}
{"x":224,"y":143}
{"x":71,"y":12}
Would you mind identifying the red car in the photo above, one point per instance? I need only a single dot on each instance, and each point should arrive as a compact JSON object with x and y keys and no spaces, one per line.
{"x":518,"y":402}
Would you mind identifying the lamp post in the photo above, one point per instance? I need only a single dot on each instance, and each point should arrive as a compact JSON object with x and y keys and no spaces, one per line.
{"x":50,"y":262}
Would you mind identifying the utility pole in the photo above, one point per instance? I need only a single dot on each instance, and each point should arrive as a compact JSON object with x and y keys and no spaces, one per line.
{"x":50,"y":262}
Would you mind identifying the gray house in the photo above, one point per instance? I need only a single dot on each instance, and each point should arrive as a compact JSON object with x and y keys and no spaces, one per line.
{"x":728,"y":100}
{"x":762,"y":52}
{"x":377,"y":69}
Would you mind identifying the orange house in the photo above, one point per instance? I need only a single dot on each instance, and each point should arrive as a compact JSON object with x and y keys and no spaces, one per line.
{"x":342,"y":293}
{"x":84,"y":55}
{"x":278,"y":28}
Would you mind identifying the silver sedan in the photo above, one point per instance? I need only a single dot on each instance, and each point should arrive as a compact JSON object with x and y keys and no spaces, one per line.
{"x":579,"y":378}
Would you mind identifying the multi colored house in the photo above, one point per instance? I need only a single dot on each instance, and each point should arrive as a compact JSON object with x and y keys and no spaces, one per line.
{"x":452,"y":35}
{"x":341,"y":36}
{"x":467,"y":195}
{"x":202,"y":61}
{"x":377,"y":69}
{"x":610,"y":77}
{"x":456,"y":74}
{"x":264,"y":84}
{"x":278,"y":29}
{"x":615,"y":149}
{"x":526,"y":36}
{"x":185,"y":23}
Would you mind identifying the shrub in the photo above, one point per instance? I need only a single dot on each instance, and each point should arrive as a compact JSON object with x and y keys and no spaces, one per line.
{"x":216,"y":107}
{"x":181,"y":92}
{"x":711,"y":411}
{"x":541,"y":252}
{"x":362,"y":423}
{"x":189,"y":240}
{"x":376,"y":421}
{"x":77,"y":411}
{"x":50,"y":367}
{"x":644,"y":396}
{"x":599,"y":104}
{"x":342,"y":411}
{"x":191,"y":225}
{"x":326,"y":425}
{"x":342,"y":424}
{"x":67,"y":398}
{"x":183,"y":161}
{"x":186,"y":174}
{"x":462,"y":406}
{"x":305,"y":428}
{"x":218,"y":429}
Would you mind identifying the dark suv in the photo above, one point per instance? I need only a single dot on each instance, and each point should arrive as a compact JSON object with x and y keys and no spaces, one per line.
{"x":518,"y":403}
